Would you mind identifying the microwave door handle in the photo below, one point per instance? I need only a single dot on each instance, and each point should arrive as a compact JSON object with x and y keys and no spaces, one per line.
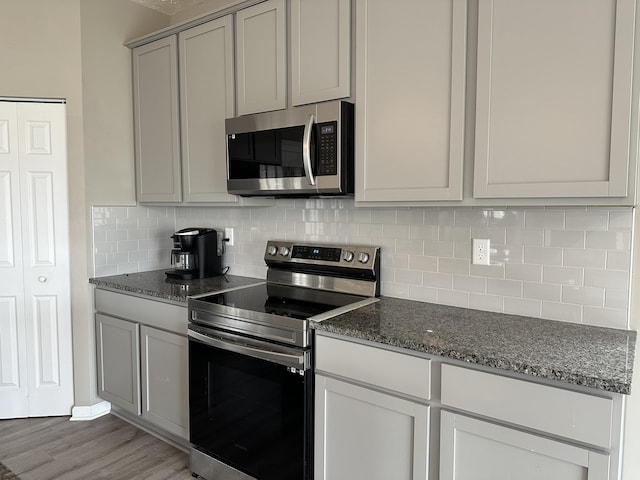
{"x":306,"y":150}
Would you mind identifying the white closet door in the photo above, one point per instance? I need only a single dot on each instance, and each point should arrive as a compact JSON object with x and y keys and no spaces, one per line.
{"x":41,"y":289}
{"x":13,"y":359}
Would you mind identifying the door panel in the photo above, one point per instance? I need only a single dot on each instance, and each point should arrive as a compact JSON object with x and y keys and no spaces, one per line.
{"x":7,"y":258}
{"x":40,"y":198}
{"x":13,"y":359}
{"x":34,"y":261}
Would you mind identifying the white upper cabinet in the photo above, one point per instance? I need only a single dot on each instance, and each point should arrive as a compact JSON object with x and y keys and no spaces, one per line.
{"x":553,"y":98}
{"x":156,"y":121}
{"x":261,"y":57}
{"x":320,"y":57}
{"x":410,"y":90}
{"x":206,"y":99}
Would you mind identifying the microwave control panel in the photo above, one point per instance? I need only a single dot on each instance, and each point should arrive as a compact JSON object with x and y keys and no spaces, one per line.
{"x":327,"y":148}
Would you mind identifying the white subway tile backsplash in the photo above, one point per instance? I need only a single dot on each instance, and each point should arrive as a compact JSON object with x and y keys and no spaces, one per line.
{"x":562,"y":311}
{"x":522,"y":306}
{"x":490,"y":303}
{"x":530,"y":273}
{"x":569,"y":264}
{"x":489,"y":271}
{"x":614,"y":279}
{"x":466,"y":283}
{"x":616,"y":299}
{"x":618,"y":260}
{"x":541,"y":291}
{"x":424,"y":264}
{"x":437,"y":280}
{"x":409,"y":277}
{"x":586,"y":220}
{"x":593,"y":296}
{"x":621,"y":220}
{"x":605,"y":317}
{"x":582,"y":257}
{"x":562,"y":275}
{"x":528,"y":236}
{"x":453,"y":265}
{"x":453,"y":298}
{"x":544,"y":219}
{"x":609,"y":240}
{"x":542,"y":255}
{"x":505,"y":288}
{"x":423,"y":294}
{"x":564,"y":238}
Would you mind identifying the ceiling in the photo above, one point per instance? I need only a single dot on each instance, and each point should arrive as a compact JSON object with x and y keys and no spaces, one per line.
{"x":168,"y":7}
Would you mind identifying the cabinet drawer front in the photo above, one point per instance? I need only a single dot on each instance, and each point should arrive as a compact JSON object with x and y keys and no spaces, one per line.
{"x":578,"y":416}
{"x":150,"y":312}
{"x":375,"y":366}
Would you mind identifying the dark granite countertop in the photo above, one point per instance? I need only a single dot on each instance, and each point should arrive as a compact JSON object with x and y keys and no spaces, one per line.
{"x":595,"y":357}
{"x":156,"y":284}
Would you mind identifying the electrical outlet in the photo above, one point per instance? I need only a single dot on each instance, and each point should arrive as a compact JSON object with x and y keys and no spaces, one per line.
{"x":480,"y":251}
{"x":228,"y":233}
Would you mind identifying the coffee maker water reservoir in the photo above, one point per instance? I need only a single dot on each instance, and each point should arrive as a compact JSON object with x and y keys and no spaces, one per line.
{"x":197,"y":253}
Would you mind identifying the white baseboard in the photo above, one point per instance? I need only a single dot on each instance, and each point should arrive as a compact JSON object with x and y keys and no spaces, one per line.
{"x":89,"y":412}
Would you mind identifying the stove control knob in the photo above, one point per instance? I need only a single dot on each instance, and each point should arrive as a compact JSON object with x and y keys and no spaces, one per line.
{"x":363,"y":257}
{"x":348,"y":256}
{"x":284,"y":251}
{"x":272,"y":250}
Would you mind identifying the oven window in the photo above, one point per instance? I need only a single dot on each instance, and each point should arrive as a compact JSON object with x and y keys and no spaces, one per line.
{"x":250,"y":413}
{"x":268,"y":154}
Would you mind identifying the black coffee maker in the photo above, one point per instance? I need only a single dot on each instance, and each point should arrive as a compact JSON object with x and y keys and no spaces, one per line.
{"x":197,"y":253}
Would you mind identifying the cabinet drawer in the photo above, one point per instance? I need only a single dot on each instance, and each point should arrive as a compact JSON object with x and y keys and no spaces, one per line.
{"x":375,"y":366}
{"x":578,"y":416}
{"x":150,"y":312}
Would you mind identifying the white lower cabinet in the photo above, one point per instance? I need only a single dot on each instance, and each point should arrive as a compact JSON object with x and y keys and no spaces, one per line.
{"x":165,"y":384}
{"x":118,"y":349}
{"x":362,"y":434}
{"x":370,"y":422}
{"x":472,"y":449}
{"x":525,"y":430}
{"x":383,"y":414}
{"x":143,"y":363}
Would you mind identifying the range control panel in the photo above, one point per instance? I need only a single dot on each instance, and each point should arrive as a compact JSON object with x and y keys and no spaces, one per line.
{"x":357,"y":256}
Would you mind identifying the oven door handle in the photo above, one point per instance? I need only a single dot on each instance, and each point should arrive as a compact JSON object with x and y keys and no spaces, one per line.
{"x":297,"y":361}
{"x":306,"y":150}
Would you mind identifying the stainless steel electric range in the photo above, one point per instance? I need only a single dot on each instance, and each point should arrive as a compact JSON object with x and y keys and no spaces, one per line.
{"x":250,"y":360}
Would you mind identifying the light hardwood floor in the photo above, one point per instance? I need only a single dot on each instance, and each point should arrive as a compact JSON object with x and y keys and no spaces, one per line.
{"x":104,"y":448}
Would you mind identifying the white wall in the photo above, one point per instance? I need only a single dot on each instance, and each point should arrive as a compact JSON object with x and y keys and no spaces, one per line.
{"x":107,"y":90}
{"x":570,"y":264}
{"x":41,"y":46}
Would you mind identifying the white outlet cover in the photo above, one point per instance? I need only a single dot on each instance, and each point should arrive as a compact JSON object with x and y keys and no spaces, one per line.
{"x":481,"y":249}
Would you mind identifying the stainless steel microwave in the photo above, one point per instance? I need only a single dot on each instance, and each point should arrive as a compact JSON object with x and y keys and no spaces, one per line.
{"x":301,"y":151}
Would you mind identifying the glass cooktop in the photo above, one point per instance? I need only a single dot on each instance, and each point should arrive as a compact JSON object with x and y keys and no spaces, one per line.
{"x":294,"y":302}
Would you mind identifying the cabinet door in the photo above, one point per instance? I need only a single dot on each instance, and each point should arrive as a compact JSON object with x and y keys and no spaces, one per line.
{"x":165,"y":377}
{"x":261,"y":62}
{"x":473,"y":449}
{"x":361,"y":434}
{"x":320,"y":50}
{"x":207,"y":97}
{"x":553,"y":98}
{"x":410,"y":83}
{"x":156,"y":127}
{"x":118,"y":350}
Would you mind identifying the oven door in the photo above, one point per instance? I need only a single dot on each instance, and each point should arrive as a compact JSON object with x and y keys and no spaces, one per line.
{"x":250,"y":405}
